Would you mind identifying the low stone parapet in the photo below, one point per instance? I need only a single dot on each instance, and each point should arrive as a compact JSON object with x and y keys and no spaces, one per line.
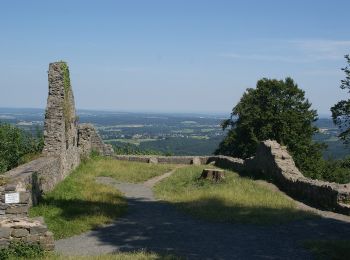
{"x":195,"y":160}
{"x":23,"y":229}
{"x":272,"y":161}
{"x":23,"y":186}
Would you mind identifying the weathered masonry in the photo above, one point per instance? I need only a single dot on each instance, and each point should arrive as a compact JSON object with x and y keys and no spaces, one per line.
{"x":65,"y":143}
{"x":274,"y":162}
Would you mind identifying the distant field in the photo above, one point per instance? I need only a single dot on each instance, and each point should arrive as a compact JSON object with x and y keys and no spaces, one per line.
{"x":178,"y":134}
{"x":130,"y":141}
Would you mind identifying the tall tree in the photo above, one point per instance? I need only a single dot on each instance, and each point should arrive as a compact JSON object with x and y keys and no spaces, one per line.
{"x":277,"y":110}
{"x":341,"y":110}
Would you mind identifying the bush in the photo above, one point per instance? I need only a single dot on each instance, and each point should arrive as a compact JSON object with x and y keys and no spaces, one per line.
{"x":21,"y":250}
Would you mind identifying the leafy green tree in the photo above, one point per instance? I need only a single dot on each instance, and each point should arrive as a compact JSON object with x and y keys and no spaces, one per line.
{"x":15,"y":144}
{"x":341,"y":110}
{"x":277,"y":110}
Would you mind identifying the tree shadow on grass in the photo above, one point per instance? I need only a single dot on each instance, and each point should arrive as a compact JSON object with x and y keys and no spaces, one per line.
{"x":75,"y":208}
{"x":67,"y":217}
{"x":158,"y":226}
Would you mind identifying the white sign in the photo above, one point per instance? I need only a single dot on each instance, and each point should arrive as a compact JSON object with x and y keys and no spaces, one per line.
{"x":12,"y":198}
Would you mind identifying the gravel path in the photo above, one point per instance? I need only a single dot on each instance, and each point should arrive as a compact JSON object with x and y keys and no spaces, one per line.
{"x":157,"y":226}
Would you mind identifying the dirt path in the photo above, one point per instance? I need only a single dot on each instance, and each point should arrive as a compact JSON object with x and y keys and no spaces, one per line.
{"x":157,"y":226}
{"x":151,"y":182}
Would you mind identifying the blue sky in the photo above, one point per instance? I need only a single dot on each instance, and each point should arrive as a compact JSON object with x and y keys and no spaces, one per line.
{"x":172,"y":56}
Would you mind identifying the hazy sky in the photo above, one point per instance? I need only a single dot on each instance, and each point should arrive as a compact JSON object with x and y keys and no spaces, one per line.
{"x":172,"y":56}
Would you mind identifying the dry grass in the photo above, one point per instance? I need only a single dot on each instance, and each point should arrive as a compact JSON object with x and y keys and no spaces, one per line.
{"x":236,"y":199}
{"x":125,"y":171}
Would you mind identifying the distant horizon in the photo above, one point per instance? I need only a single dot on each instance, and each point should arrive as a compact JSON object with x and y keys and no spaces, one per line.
{"x":321,"y":116}
{"x":181,"y":56}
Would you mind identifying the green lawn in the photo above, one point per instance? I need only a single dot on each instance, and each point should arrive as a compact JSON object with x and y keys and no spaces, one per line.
{"x":236,"y":199}
{"x":329,"y":249}
{"x":79,"y":203}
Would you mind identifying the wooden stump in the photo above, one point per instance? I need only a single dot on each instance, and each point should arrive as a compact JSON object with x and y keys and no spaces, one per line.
{"x":213,"y":174}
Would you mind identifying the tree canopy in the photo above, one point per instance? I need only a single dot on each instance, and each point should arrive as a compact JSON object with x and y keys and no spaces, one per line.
{"x":341,"y":110}
{"x":275,"y":109}
{"x":15,"y":144}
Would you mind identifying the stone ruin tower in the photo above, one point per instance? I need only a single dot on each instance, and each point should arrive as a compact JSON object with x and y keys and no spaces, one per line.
{"x":60,"y":128}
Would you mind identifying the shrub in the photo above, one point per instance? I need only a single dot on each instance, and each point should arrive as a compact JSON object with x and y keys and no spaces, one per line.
{"x":21,"y":250}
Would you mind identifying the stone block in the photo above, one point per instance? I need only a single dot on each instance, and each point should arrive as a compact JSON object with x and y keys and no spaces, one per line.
{"x":33,"y":239}
{"x":24,"y":197}
{"x":3,"y":206}
{"x":153,"y":160}
{"x":47,"y":241}
{"x":20,"y":232}
{"x":5,"y":232}
{"x":196,"y":161}
{"x":17,"y":210}
{"x":10,"y":187}
{"x":38,"y":230}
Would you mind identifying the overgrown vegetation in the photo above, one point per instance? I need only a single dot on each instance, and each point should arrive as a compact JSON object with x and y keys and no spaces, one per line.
{"x":17,"y":146}
{"x":24,"y":251}
{"x":329,"y":249}
{"x":278,"y":110}
{"x":137,"y":255}
{"x":341,"y":110}
{"x":79,"y":203}
{"x":20,"y":250}
{"x":67,"y":109}
{"x":236,"y":199}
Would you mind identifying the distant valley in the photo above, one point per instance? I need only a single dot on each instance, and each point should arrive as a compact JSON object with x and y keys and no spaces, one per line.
{"x":170,"y":134}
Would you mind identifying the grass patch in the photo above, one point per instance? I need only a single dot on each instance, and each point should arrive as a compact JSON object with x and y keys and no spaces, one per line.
{"x":329,"y":249}
{"x":134,"y":172}
{"x":236,"y":199}
{"x":139,"y":255}
{"x":79,"y":204}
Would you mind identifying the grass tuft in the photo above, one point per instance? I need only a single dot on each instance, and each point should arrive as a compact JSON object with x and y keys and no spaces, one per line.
{"x":236,"y":199}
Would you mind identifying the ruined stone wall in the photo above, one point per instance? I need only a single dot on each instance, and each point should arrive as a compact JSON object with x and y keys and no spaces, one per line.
{"x":29,"y":180}
{"x":273,"y":162}
{"x":60,"y":128}
{"x":22,"y":187}
{"x":32,"y":231}
{"x":61,"y":153}
{"x":164,"y":159}
{"x":89,"y":140}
